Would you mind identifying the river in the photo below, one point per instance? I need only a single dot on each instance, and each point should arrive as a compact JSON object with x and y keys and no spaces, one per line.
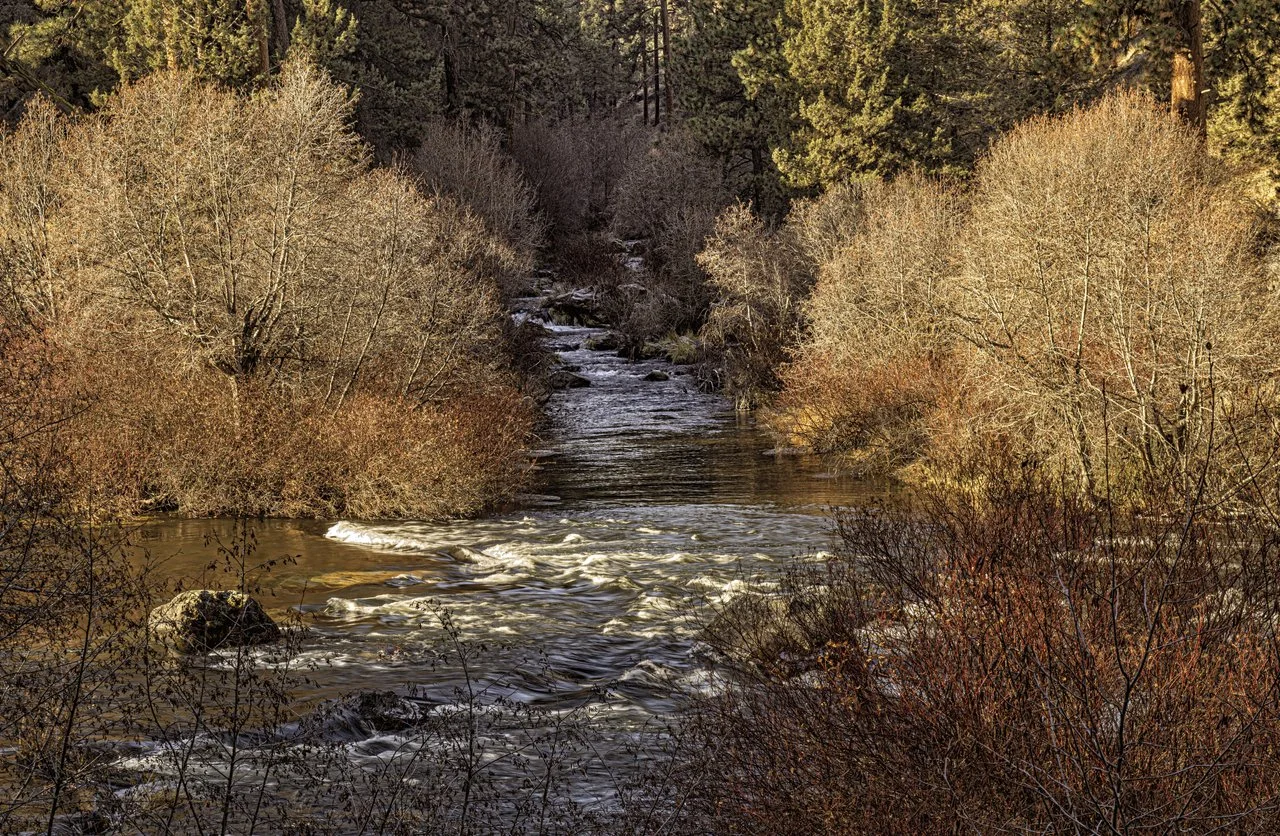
{"x":654,"y":503}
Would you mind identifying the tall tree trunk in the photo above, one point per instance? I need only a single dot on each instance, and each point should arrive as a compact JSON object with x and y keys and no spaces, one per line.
{"x":171,"y":40}
{"x":644,"y":54}
{"x":1188,"y":85}
{"x":257,"y":13}
{"x":666,"y":58}
{"x":657,"y":75}
{"x":450,"y":72}
{"x":281,"y":28}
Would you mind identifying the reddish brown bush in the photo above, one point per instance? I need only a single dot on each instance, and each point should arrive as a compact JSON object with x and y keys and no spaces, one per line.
{"x":1026,"y":662}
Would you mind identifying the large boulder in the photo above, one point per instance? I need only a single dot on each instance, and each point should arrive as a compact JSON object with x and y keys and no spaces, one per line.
{"x":776,"y":634}
{"x":577,"y":307}
{"x":201,"y":620}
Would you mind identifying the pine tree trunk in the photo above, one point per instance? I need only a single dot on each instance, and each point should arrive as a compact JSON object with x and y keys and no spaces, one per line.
{"x":644,"y":53}
{"x":657,"y":75}
{"x":666,"y":57}
{"x":281,"y":28}
{"x":450,"y":74}
{"x":171,"y":40}
{"x":257,"y":13}
{"x":1188,"y":83}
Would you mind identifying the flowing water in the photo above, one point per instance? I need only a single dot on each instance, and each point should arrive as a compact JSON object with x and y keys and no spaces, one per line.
{"x":654,"y":503}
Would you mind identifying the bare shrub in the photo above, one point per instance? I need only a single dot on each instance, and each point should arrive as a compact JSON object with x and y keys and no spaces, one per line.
{"x":760,"y":278}
{"x":1112,"y":289}
{"x":211,"y":215}
{"x":69,"y":604}
{"x":824,"y":226}
{"x":30,"y":277}
{"x":1098,"y":287}
{"x":469,"y":164}
{"x":1026,"y":662}
{"x":669,"y":198}
{"x":548,"y":156}
{"x":880,"y":344}
{"x":244,"y":284}
{"x":576,"y":166}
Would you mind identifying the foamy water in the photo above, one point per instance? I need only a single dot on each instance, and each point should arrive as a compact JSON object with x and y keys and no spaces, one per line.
{"x":655,"y":504}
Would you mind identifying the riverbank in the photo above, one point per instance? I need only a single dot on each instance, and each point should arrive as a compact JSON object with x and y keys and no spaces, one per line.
{"x":554,"y":643}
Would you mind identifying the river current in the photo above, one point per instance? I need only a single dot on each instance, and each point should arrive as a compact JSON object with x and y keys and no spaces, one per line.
{"x":655,"y":503}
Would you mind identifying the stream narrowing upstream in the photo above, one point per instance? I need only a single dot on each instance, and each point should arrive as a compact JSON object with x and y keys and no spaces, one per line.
{"x":655,"y":500}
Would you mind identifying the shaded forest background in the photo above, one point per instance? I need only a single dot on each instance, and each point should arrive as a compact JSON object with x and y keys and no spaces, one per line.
{"x":785,"y":95}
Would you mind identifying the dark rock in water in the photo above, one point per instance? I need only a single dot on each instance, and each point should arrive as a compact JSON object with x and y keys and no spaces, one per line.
{"x":358,"y":715}
{"x":566,"y":346}
{"x":83,"y":824}
{"x":575,"y":308}
{"x":567,"y":380}
{"x":604,"y":342}
{"x":774,"y":634}
{"x":657,"y":376}
{"x":96,"y":756}
{"x":201,"y":620}
{"x":532,"y":328}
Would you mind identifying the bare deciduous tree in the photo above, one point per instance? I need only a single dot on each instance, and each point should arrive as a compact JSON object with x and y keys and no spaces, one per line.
{"x":1108,"y":275}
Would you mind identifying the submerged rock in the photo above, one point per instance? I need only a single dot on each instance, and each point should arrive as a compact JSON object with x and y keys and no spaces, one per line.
{"x":754,"y":629}
{"x":87,"y":823}
{"x":657,"y":376}
{"x":604,"y":342}
{"x":357,"y":715}
{"x":567,"y":380}
{"x":201,"y":620}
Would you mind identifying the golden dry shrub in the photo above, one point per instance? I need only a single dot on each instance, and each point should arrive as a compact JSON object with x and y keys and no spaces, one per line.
{"x":879,"y":354}
{"x":1125,"y":330}
{"x":266,"y":325}
{"x":30,"y":275}
{"x":760,"y":276}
